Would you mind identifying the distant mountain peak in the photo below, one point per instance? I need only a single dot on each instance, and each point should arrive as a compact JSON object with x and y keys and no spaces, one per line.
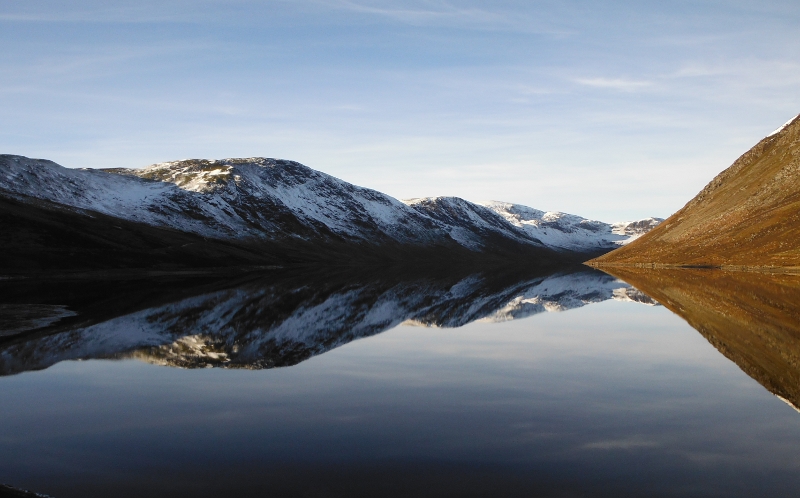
{"x":208,"y":175}
{"x":568,"y":231}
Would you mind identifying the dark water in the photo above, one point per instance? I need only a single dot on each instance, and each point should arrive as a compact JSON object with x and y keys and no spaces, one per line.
{"x":399,"y":384}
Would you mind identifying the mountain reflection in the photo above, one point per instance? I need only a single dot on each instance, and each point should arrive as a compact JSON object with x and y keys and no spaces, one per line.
{"x":273,"y":319}
{"x":751,"y":318}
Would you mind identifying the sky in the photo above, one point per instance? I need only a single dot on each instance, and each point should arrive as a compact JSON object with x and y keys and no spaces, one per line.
{"x":609,"y":110}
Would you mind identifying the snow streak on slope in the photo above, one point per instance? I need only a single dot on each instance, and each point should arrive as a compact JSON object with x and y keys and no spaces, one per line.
{"x":469,"y":224}
{"x":569,"y":232}
{"x":154,"y":203}
{"x":252,"y":186}
{"x":232,"y":198}
{"x":781,"y":128}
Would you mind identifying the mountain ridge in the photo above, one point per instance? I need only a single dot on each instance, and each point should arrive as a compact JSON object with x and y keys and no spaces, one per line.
{"x":269,"y":210}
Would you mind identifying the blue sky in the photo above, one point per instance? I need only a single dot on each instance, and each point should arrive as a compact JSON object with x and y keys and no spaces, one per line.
{"x":610,"y":110}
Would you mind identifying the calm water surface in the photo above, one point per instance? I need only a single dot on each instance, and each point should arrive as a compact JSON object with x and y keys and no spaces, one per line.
{"x":572,"y":384}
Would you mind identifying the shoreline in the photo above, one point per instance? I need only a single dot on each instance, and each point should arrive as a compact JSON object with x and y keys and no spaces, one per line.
{"x":678,"y":266}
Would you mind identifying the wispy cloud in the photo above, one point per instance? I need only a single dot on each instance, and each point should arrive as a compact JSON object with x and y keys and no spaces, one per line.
{"x":621,"y":444}
{"x":90,"y":14}
{"x":429,"y":13}
{"x":77,"y":63}
{"x":444,"y":13}
{"x":780,"y":71}
{"x":693,"y":70}
{"x":441,"y":11}
{"x":133,"y":12}
{"x":615,"y":83}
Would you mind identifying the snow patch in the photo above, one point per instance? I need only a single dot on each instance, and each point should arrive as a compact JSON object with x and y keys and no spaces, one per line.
{"x":782,"y":127}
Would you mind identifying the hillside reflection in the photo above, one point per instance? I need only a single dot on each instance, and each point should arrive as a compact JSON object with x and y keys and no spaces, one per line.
{"x":269,"y":320}
{"x":751,"y":318}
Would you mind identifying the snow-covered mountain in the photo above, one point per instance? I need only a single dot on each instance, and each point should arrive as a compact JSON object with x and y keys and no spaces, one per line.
{"x":570,"y":232}
{"x":258,"y":200}
{"x":230,"y":198}
{"x":282,"y":321}
{"x":469,"y":224}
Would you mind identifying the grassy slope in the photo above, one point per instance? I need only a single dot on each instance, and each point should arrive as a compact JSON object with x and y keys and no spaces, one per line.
{"x":749,"y":215}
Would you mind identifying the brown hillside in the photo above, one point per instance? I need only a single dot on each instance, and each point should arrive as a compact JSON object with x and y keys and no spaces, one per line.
{"x":751,"y":318}
{"x":749,"y":215}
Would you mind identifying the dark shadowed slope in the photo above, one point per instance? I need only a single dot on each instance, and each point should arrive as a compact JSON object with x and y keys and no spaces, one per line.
{"x":751,"y":318}
{"x":42,"y":237}
{"x":749,"y":215}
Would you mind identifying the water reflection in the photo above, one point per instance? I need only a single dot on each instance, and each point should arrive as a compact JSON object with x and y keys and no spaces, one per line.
{"x":751,"y":318}
{"x":613,"y":399}
{"x":275,"y":319}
